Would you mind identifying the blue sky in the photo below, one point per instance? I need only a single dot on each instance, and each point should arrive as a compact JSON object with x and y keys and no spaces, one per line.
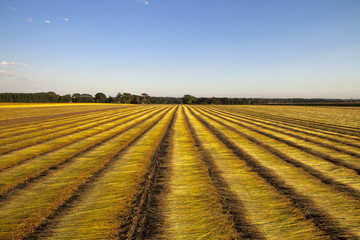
{"x":233,"y":48}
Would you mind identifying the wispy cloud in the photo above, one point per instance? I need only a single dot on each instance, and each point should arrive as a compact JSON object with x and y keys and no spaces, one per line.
{"x":6,"y":73}
{"x":5,"y":64}
{"x":11,"y":8}
{"x":146,"y":2}
{"x":49,"y":71}
{"x":66,"y":19}
{"x":30,"y":20}
{"x":47,"y":21}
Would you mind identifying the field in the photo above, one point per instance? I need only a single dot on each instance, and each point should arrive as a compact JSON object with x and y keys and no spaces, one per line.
{"x":111,"y":171}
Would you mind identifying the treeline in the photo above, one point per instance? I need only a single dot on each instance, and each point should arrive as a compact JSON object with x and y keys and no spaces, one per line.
{"x":52,"y":97}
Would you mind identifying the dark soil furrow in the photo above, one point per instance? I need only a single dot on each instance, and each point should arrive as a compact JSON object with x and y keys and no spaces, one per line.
{"x":42,"y":173}
{"x":141,"y":223}
{"x":26,"y":159}
{"x":326,"y":157}
{"x":322,"y":220}
{"x":231,"y":204}
{"x":315,"y":124}
{"x":19,"y":121}
{"x":283,"y":126}
{"x":34,"y":141}
{"x":322,"y":177}
{"x":305,"y":124}
{"x":77,"y":194}
{"x":7,"y":138}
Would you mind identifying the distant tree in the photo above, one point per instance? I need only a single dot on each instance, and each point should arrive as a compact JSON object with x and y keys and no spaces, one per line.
{"x":188,"y":99}
{"x":87,"y":98}
{"x":52,"y":97}
{"x":110,"y":99}
{"x":76,"y":97}
{"x":100,"y":98}
{"x":127,"y":98}
{"x":145,"y":97}
{"x":136,"y":99}
{"x":215,"y":101}
{"x":65,"y":99}
{"x":118,"y":97}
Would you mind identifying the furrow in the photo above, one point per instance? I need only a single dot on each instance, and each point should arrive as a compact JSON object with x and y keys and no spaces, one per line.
{"x":51,"y":114}
{"x":261,"y":206}
{"x":112,"y":191}
{"x":332,"y":212}
{"x":313,"y":124}
{"x":342,"y":179}
{"x":57,"y":125}
{"x":19,"y":175}
{"x":42,"y":136}
{"x":294,"y":124}
{"x":136,"y":224}
{"x":44,"y":197}
{"x":353,"y":144}
{"x":335,"y":157}
{"x":46,"y":125}
{"x":191,"y":206}
{"x":15,"y":157}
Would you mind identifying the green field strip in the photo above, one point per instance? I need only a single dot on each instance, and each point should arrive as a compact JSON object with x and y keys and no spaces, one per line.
{"x":191,"y":208}
{"x":18,"y":175}
{"x":18,"y":156}
{"x":332,"y":136}
{"x":54,"y":126}
{"x":333,"y":212}
{"x":333,"y":156}
{"x":341,"y":178}
{"x":307,"y":123}
{"x":352,"y":145}
{"x":111,"y":197}
{"x":43,"y":197}
{"x":263,"y":206}
{"x":45,"y":124}
{"x":52,"y":133}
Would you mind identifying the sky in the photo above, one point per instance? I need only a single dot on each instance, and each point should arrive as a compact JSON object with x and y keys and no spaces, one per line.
{"x":206,"y":48}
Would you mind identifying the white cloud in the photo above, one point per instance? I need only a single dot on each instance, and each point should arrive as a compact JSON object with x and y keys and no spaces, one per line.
{"x":47,"y":21}
{"x":6,"y":73}
{"x":49,"y":71}
{"x":5,"y":64}
{"x":66,"y":19}
{"x":11,"y":8}
{"x":30,"y":20}
{"x":146,"y":2}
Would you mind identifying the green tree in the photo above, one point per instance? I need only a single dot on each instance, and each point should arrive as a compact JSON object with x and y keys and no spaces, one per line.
{"x":145,"y":98}
{"x":52,"y":97}
{"x":118,"y":97}
{"x":127,"y":98}
{"x":188,"y":99}
{"x":100,"y":97}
